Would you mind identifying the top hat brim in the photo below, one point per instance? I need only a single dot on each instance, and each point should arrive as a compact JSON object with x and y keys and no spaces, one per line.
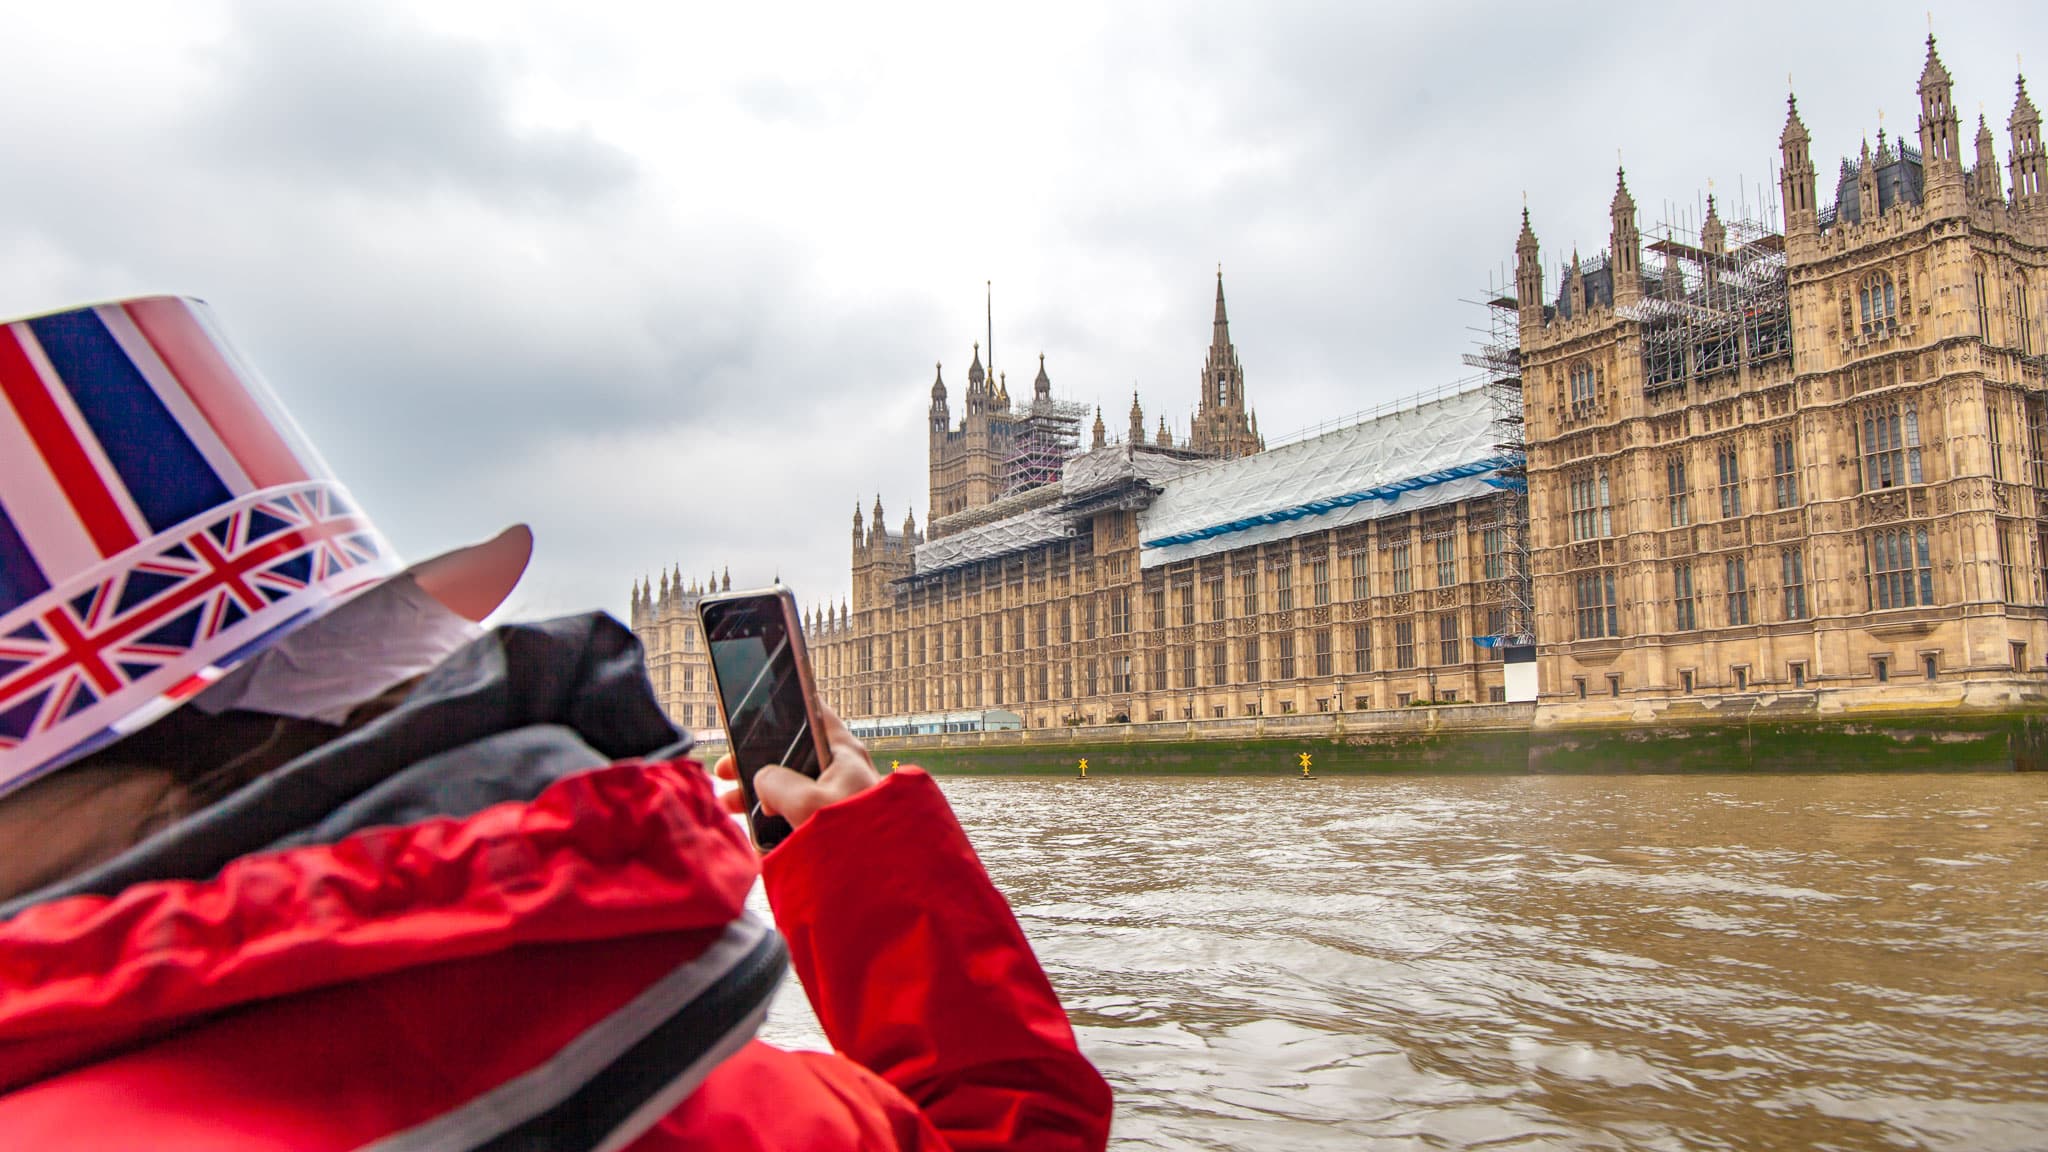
{"x":474,"y":581}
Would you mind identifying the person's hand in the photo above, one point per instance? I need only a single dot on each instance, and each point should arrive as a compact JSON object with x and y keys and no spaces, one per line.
{"x":796,"y":797}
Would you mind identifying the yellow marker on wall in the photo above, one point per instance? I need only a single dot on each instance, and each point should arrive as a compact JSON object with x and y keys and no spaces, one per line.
{"x":1084,"y":768}
{"x":1304,"y":765}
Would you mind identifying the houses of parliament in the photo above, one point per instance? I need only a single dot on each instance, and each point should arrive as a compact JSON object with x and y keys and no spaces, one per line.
{"x":1797,"y":469}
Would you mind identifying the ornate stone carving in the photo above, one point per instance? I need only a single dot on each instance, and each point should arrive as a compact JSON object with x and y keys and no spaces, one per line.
{"x":1883,"y":507}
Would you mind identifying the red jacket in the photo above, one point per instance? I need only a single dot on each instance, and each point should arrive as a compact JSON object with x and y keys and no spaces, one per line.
{"x":356,"y":994}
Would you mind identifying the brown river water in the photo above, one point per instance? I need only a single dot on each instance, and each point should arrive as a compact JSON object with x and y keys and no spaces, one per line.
{"x":1592,"y":962}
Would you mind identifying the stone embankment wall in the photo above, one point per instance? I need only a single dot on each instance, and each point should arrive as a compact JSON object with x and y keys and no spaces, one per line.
{"x":1501,"y":738}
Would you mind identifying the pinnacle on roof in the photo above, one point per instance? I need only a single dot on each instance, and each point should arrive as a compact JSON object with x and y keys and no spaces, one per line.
{"x":1983,"y":132}
{"x":1622,"y":200}
{"x":726,"y":586}
{"x":878,"y":509}
{"x":1002,"y":390}
{"x":975,"y":376}
{"x":939,"y":383}
{"x":1933,"y":72}
{"x":1526,"y":242}
{"x":2023,"y":110}
{"x":857,"y":522}
{"x":1795,"y":128}
{"x":1042,"y":386}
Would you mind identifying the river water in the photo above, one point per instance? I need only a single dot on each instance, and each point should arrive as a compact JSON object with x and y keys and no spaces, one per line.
{"x":1520,"y":962}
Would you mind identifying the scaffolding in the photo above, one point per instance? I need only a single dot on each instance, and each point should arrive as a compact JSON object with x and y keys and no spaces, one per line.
{"x":1499,"y":357}
{"x":1048,"y":432}
{"x":1711,"y":308}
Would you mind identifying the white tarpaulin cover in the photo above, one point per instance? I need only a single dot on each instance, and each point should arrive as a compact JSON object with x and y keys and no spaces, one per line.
{"x":1436,"y":453}
{"x":1086,"y":474}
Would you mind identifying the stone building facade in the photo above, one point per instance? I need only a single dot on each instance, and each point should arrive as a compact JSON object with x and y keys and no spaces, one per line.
{"x":664,"y":618}
{"x":1811,"y":463}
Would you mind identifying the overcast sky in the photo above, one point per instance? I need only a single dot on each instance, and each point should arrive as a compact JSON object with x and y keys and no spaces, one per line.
{"x":668,"y":281}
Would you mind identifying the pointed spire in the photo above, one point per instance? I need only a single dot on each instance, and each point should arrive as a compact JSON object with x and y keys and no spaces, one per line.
{"x":1714,"y":234}
{"x":1165,"y":437}
{"x":878,"y":513}
{"x":1137,"y":420}
{"x":1101,"y":433}
{"x":1795,"y":128}
{"x":938,"y":385}
{"x":1222,"y":316}
{"x":1622,"y":202}
{"x":910,"y":525}
{"x":975,"y":376}
{"x":1933,"y":72}
{"x":2029,"y":182}
{"x":726,"y":586}
{"x":1041,"y":388}
{"x":858,"y":525}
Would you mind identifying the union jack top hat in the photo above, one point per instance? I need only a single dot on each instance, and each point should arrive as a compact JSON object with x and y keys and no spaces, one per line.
{"x":161,"y":520}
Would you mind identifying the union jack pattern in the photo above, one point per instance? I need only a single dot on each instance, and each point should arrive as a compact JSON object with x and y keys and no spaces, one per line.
{"x":224,"y":585}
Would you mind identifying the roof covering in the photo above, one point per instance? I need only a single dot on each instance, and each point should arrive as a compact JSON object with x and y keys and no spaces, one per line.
{"x":1437,"y":452}
{"x":1053,"y":511}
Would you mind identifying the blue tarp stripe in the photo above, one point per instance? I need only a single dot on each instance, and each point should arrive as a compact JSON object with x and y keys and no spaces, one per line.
{"x":1331,"y":503}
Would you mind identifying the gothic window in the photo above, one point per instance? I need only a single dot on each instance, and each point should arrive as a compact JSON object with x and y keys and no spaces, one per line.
{"x":1286,"y":654}
{"x":1494,"y":543}
{"x":995,"y":635}
{"x":1250,"y":585}
{"x":1889,"y":439}
{"x":1901,"y":575}
{"x":1400,"y":563}
{"x":1593,"y":594}
{"x":1446,"y":561}
{"x":1187,"y":604}
{"x":1361,"y":647}
{"x":1794,"y":581}
{"x":1784,"y":473}
{"x":1283,"y":588}
{"x":2024,"y":319}
{"x":1677,"y":490}
{"x":1730,"y":467}
{"x":1404,"y":643}
{"x":1361,"y":582}
{"x":1496,"y":627}
{"x":1983,"y":307}
{"x":1044,"y":633}
{"x":1877,"y":299}
{"x":1089,"y":612}
{"x":1159,"y":670}
{"x":1321,"y":640}
{"x":1592,"y":513}
{"x":1447,"y":638}
{"x":1582,"y":388}
{"x":1736,"y":571}
{"x":1120,"y":674}
{"x":1992,"y":437}
{"x":1120,"y":612}
{"x":1684,"y":614}
{"x":1219,"y":664}
{"x":1066,"y":680}
{"x":1251,"y":660}
{"x":1158,"y":608}
{"x":1218,"y":606}
{"x":1319,"y":580}
{"x":1066,"y":623}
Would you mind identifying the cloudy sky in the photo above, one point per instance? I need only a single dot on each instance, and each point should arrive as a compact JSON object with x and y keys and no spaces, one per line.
{"x":668,"y":280}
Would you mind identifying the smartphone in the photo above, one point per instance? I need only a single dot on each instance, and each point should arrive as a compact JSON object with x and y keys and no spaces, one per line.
{"x":765,"y":692}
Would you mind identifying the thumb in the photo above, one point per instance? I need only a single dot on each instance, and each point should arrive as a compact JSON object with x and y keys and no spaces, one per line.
{"x":786,"y":793}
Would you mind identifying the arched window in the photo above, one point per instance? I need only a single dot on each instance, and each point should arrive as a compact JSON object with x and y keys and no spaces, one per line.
{"x":1582,"y":388}
{"x":1879,"y":300}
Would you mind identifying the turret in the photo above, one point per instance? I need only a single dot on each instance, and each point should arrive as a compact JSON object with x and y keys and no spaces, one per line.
{"x":1866,"y":186}
{"x":1987,"y":184}
{"x":860,"y":533}
{"x":1625,"y":243}
{"x":2029,"y":191}
{"x":1574,"y":288}
{"x":1802,"y":217}
{"x":1041,"y":388}
{"x":977,"y":383}
{"x":941,"y":419}
{"x":1165,"y":437}
{"x":877,"y":521}
{"x":1713,"y":233}
{"x":1137,"y":420}
{"x":1002,"y":400}
{"x":726,"y":584}
{"x":1101,"y":433}
{"x":909,"y":528}
{"x":1528,"y":275}
{"x":1941,"y":156}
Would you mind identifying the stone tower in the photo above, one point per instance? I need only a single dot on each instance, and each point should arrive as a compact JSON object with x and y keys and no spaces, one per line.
{"x":1221,"y":427}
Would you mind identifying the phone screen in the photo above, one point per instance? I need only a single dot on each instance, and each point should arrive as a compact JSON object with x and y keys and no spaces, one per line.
{"x":754,"y":658}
